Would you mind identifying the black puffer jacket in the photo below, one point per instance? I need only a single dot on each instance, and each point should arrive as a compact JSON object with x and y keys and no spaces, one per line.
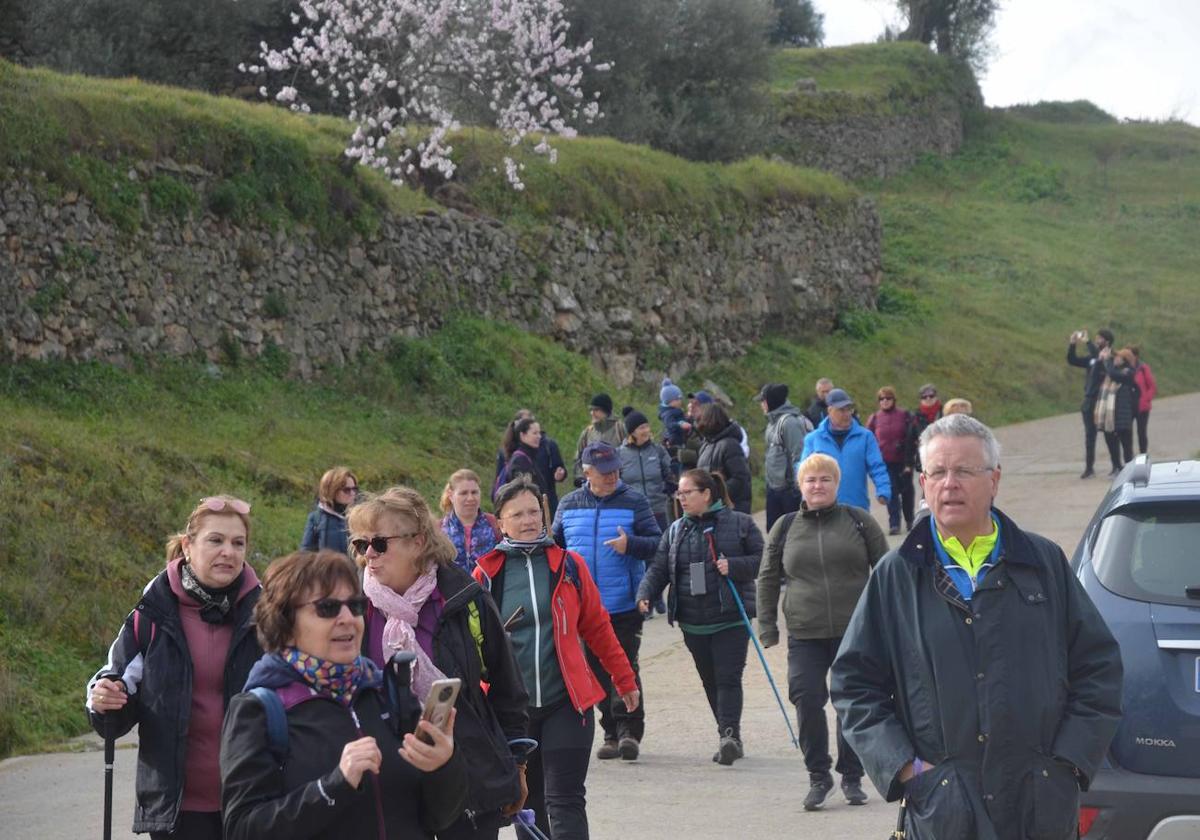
{"x":723,"y":453}
{"x":162,"y":703}
{"x":486,"y":722}
{"x":1127,"y":394}
{"x":685,"y":542}
{"x":308,"y":796}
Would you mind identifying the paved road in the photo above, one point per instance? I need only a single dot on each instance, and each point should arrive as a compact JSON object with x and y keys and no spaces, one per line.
{"x":675,"y":790}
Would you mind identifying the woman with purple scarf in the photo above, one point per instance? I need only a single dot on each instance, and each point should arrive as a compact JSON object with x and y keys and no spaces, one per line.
{"x":473,"y":532}
{"x":343,"y":770}
{"x":420,"y":600}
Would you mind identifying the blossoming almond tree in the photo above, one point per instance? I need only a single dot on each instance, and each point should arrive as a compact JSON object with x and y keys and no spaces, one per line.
{"x":400,"y":64}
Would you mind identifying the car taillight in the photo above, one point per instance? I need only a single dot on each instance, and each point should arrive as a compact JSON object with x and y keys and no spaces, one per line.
{"x":1087,"y":816}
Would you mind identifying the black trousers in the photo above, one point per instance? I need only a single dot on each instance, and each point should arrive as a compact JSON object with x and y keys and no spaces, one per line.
{"x":483,"y":827}
{"x":1143,"y":423}
{"x":779,"y":502}
{"x":194,"y":825}
{"x":902,"y":497}
{"x":557,"y":769}
{"x":1118,"y":441}
{"x":809,"y":661}
{"x":720,"y":661}
{"x":614,"y":719}
{"x":1089,"y":433}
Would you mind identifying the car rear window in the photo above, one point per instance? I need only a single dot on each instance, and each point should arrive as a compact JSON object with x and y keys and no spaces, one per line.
{"x":1150,"y":552}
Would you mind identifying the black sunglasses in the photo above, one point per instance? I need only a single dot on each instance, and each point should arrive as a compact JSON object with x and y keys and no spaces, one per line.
{"x":380,"y":544}
{"x":332,"y":607}
{"x":928,"y":396}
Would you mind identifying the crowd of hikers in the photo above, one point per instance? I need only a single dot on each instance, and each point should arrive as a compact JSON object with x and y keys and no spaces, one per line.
{"x":300,"y":705}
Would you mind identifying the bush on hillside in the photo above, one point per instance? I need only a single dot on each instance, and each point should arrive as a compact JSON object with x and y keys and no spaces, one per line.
{"x":686,"y":77}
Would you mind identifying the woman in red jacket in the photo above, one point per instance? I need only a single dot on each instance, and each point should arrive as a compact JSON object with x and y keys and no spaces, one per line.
{"x":552,"y":605}
{"x":893,"y":428}
{"x":1143,"y":378}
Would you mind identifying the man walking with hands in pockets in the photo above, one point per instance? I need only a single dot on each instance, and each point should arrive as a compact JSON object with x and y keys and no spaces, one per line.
{"x":976,"y":679}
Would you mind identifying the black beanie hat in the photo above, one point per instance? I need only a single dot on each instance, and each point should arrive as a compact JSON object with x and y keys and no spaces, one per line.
{"x":773,"y":395}
{"x":633,"y":418}
{"x":602,"y":402}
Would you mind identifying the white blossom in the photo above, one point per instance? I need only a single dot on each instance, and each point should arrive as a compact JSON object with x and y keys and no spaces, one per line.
{"x":401,"y":61}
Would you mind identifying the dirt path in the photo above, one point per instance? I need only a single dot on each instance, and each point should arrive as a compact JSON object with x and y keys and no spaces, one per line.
{"x":675,"y":790}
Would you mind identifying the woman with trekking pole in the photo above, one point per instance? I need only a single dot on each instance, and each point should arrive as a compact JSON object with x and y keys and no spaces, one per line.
{"x":421,"y":601}
{"x":825,"y":551}
{"x":705,"y":546}
{"x":552,"y":609}
{"x":323,"y":744}
{"x":179,"y":658}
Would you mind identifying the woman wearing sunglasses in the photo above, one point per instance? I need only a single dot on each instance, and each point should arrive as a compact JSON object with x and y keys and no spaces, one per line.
{"x":326,"y":525}
{"x":553,"y":609}
{"x":180,"y":656}
{"x":707,"y":545}
{"x":341,"y":770}
{"x":421,"y":601}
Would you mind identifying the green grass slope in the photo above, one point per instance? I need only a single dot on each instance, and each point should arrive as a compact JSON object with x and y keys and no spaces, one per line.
{"x":1038,"y":227}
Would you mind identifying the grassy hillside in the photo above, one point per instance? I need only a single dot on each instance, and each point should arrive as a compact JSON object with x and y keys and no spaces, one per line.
{"x":1047,"y":221}
{"x":256,"y":163}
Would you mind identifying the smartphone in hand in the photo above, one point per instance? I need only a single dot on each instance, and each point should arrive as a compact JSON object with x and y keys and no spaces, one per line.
{"x":438,"y":704}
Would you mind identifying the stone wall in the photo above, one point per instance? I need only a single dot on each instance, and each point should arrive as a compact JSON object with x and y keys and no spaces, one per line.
{"x":874,"y":145}
{"x":657,"y":297}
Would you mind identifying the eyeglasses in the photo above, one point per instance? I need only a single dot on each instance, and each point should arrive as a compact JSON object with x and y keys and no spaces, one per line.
{"x":332,"y":607}
{"x":886,"y":399}
{"x":350,"y":488}
{"x":216,"y":504}
{"x":929,"y":396}
{"x":959,"y":473}
{"x":683,"y":494}
{"x":380,"y":544}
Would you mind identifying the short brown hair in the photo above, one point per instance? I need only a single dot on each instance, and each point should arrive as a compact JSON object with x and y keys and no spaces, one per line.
{"x":332,"y":482}
{"x":886,"y":391}
{"x":290,"y":578}
{"x":404,"y":501}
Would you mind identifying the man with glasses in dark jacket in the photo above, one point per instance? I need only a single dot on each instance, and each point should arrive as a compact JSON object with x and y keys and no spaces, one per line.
{"x":976,"y":679}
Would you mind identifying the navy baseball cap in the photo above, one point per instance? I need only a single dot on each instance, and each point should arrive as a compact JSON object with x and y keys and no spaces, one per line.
{"x":838,"y":399}
{"x":601,"y":457}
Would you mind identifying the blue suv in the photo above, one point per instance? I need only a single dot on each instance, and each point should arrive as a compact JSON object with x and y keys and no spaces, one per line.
{"x":1139,"y":560}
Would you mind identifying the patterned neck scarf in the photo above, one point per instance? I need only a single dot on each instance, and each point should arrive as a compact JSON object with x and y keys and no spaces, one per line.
{"x":402,"y":613}
{"x":216,"y":605}
{"x":331,"y":679}
{"x":483,"y":539}
{"x":509,"y":545}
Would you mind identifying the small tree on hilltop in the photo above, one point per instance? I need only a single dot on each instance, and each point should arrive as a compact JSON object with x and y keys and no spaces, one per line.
{"x":799,"y":24}
{"x":958,"y":28}
{"x":396,"y":62}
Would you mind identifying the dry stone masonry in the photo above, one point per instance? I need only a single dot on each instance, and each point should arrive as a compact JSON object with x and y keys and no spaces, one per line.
{"x":661,"y":295}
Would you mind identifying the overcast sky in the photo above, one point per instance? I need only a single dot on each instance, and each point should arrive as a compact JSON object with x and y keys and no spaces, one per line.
{"x":1133,"y":58}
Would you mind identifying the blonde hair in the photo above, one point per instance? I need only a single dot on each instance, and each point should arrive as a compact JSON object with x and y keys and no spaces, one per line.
{"x":458,"y":476}
{"x":958,"y":405}
{"x":887,"y":391}
{"x":406,"y":502}
{"x":203,"y":509}
{"x":818,"y":462}
{"x":332,"y":482}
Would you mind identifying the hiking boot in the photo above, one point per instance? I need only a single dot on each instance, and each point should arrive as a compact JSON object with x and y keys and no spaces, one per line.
{"x":628,"y":748}
{"x":608,"y":749}
{"x":894,"y":530}
{"x":852,"y":790}
{"x":818,"y":789}
{"x":729,"y":749}
{"x":1088,"y":473}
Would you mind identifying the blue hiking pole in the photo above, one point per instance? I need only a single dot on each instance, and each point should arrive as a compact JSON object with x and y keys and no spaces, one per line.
{"x":737,"y":599}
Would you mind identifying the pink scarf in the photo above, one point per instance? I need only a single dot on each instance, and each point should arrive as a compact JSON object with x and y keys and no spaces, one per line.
{"x":402,"y":612}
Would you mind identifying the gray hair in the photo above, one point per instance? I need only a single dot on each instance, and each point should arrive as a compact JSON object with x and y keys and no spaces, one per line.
{"x":824,"y":380}
{"x":960,"y":426}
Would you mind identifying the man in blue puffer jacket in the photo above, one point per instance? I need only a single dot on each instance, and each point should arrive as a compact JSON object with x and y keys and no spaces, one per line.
{"x":855,"y":449}
{"x":611,"y":526}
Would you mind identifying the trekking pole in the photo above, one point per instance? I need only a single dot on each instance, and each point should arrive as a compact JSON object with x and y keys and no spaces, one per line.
{"x":110,"y":746}
{"x":737,"y":599}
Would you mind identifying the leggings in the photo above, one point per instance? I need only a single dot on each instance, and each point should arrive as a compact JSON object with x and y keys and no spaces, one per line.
{"x":557,"y":770}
